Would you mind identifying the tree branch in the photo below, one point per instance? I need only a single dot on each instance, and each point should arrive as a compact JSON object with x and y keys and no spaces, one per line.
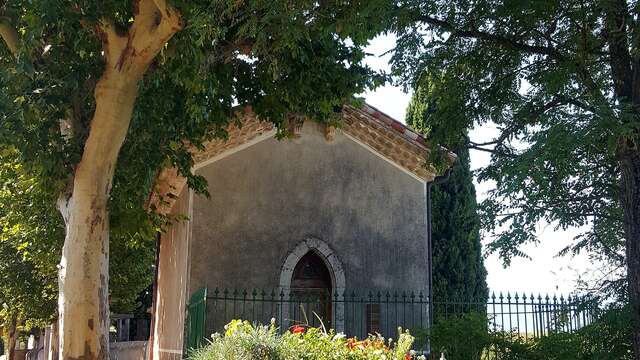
{"x":165,"y":10}
{"x":9,"y":35}
{"x":503,"y":40}
{"x":507,"y":42}
{"x":112,"y":43}
{"x":616,"y":15}
{"x":472,"y":146}
{"x":155,"y":22}
{"x":607,"y":248}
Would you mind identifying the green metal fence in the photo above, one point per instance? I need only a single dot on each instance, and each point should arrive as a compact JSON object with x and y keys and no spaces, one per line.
{"x":358,"y":312}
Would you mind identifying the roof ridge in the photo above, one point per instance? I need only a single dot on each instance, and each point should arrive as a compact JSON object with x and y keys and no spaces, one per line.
{"x":406,"y":130}
{"x":398,"y":126}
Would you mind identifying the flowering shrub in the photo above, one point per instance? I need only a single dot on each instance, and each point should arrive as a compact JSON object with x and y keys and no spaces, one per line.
{"x":244,"y":341}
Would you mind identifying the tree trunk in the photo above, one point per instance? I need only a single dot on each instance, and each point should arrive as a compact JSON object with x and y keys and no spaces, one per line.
{"x":12,"y":333}
{"x":630,"y":190}
{"x":10,"y":35}
{"x":84,"y":274}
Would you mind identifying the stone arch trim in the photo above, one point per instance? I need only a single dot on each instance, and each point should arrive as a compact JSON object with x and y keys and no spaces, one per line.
{"x":336,"y":270}
{"x":326,"y":253}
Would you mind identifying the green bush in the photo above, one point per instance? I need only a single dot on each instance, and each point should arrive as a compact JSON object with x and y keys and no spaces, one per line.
{"x":461,"y":338}
{"x":608,"y":338}
{"x":244,"y":341}
{"x":467,"y":337}
{"x":509,"y":346}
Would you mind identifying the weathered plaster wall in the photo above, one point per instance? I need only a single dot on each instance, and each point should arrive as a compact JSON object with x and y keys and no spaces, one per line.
{"x":268,"y":198}
{"x":171,"y":294}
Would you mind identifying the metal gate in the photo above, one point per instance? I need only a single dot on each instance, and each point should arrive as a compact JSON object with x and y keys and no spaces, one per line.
{"x":196,"y":320}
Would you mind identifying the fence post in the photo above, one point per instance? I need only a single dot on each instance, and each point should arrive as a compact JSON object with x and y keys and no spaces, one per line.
{"x":501,"y":311}
{"x":526,"y":318}
{"x":196,"y":319}
{"x":516,"y":298}
{"x":493,"y":303}
{"x":555,"y":313}
{"x":509,"y":309}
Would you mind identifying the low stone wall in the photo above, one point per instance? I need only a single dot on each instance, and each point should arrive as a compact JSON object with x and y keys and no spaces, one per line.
{"x":128,"y":350}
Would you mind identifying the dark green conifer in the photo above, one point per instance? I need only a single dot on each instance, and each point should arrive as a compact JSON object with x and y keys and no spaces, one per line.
{"x":458,"y":268}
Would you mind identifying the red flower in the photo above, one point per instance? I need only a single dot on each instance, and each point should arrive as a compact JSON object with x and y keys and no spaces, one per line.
{"x":407,"y":357}
{"x":297,"y":329}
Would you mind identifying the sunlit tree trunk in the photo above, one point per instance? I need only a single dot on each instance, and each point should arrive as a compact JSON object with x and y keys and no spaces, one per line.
{"x":84,"y":274}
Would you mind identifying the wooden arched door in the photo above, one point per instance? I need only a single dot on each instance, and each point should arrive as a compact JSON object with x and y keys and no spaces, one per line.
{"x":311,"y":291}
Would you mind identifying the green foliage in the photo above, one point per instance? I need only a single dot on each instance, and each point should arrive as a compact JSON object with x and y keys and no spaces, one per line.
{"x":277,"y":56}
{"x":281,"y":57}
{"x":458,"y":266}
{"x":511,"y":346}
{"x":243,"y":340}
{"x":609,"y":337}
{"x":463,"y":337}
{"x":541,"y":73}
{"x":31,"y":239}
{"x":468,"y":337}
{"x":131,"y":272}
{"x":30,"y":232}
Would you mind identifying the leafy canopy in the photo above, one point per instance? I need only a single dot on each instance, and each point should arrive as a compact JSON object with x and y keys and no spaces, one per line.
{"x":280,"y":57}
{"x":31,"y":239}
{"x":28,"y":236}
{"x":542,"y":74}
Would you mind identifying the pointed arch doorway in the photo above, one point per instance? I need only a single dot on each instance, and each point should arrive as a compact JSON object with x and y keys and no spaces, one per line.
{"x":311,"y":291}
{"x":313,"y":276}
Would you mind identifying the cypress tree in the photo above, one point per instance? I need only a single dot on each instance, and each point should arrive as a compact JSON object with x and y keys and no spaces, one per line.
{"x":458,"y":268}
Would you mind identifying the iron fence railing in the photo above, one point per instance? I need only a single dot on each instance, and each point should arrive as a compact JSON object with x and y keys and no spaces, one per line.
{"x":355,"y":312}
{"x":359,"y":312}
{"x":529,"y":316}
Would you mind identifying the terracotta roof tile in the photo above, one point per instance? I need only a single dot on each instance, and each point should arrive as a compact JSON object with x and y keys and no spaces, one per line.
{"x":368,"y":125}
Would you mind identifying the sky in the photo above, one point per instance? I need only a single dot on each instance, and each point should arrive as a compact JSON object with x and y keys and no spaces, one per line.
{"x":545,"y":272}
